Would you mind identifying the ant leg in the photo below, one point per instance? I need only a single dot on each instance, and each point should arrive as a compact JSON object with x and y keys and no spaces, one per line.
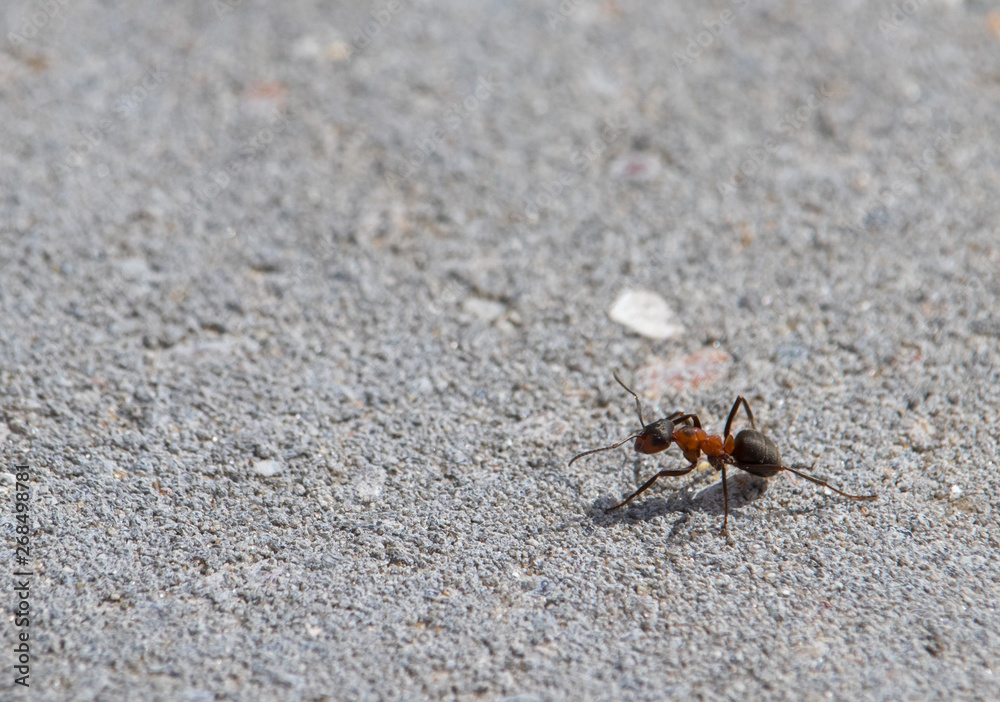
{"x":725,"y":501}
{"x":817,"y":481}
{"x":732,"y":414}
{"x":648,"y":483}
{"x":678,"y":417}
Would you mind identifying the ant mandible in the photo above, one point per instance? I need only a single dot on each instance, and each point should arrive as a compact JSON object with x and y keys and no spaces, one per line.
{"x":749,"y":450}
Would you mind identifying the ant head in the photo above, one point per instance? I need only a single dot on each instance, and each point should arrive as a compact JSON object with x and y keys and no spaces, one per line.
{"x":655,"y":436}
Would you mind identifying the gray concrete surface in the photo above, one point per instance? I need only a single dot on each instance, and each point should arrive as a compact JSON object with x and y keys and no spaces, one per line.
{"x":305,"y":308}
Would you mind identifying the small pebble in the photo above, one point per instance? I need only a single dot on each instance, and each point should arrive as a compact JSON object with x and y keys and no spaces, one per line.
{"x":645,"y":313}
{"x":134,"y":269}
{"x":267,"y":468}
{"x":921,"y":435}
{"x":684,"y":373}
{"x":338,"y":51}
{"x":993,"y":23}
{"x":483,"y":310}
{"x":307,"y":47}
{"x":262,"y":99}
{"x":636,"y":167}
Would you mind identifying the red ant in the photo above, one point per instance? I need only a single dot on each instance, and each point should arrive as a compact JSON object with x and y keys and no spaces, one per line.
{"x":749,"y":450}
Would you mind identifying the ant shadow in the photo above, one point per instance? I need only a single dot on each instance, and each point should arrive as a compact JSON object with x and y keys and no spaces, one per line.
{"x":744,"y":489}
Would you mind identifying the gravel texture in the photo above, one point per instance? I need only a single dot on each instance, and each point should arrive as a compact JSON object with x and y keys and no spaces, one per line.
{"x":304,"y":308}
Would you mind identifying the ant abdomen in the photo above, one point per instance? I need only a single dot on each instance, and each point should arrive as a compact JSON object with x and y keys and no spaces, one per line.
{"x":754,"y":449}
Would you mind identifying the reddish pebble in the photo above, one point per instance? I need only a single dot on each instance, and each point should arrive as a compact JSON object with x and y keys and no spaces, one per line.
{"x":262,"y":99}
{"x":684,"y":373}
{"x":636,"y":167}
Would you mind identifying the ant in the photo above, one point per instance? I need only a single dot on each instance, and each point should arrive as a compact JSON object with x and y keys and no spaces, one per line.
{"x":749,"y":450}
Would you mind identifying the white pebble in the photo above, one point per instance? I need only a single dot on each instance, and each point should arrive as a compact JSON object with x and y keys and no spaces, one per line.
{"x":645,"y":313}
{"x":483,"y":310}
{"x":267,"y":468}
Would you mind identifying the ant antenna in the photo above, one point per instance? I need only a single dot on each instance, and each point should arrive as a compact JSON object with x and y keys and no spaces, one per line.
{"x":638,"y":405}
{"x":606,"y":448}
{"x":642,"y":423}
